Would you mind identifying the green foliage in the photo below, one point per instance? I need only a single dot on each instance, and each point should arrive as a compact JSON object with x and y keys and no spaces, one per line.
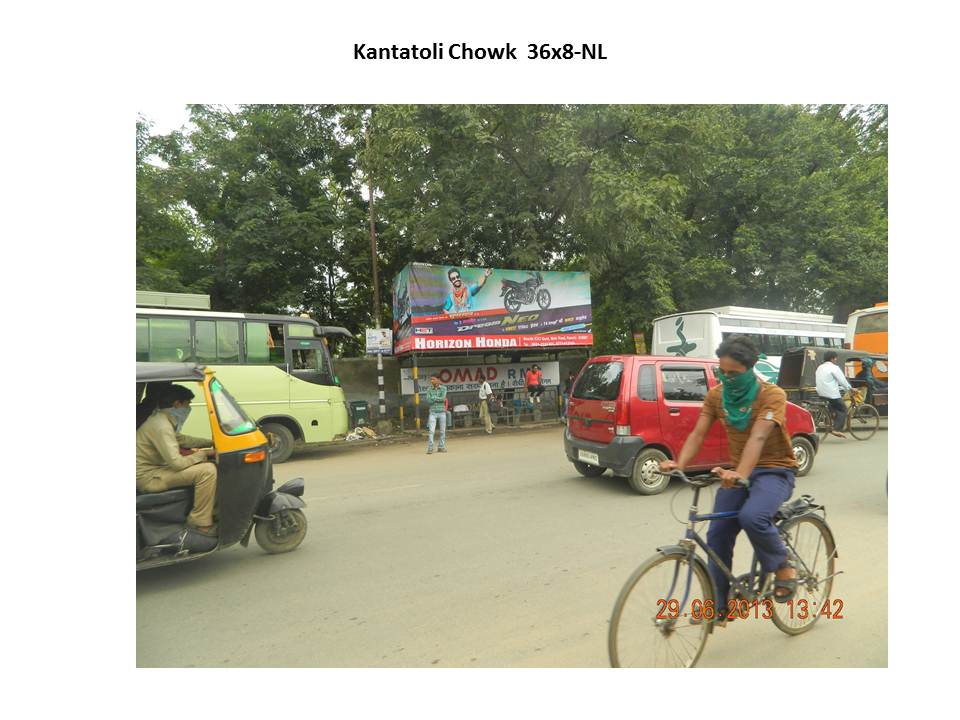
{"x":668,"y":207}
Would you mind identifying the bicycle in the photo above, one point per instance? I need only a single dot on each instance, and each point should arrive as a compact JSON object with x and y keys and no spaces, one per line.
{"x":667,"y":609}
{"x":862,"y":421}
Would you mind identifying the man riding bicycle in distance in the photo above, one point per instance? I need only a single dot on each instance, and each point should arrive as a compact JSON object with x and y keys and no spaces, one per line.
{"x":753,"y":412}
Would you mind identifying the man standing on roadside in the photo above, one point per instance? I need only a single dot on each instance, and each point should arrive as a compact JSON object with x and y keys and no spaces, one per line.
{"x":831,"y":384}
{"x":485,"y":393}
{"x":436,"y":398}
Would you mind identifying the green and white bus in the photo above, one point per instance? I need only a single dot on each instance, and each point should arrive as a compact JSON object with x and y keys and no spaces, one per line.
{"x":276,"y":366}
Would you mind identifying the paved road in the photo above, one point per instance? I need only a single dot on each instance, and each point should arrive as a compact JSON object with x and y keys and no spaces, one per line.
{"x":495,"y":554}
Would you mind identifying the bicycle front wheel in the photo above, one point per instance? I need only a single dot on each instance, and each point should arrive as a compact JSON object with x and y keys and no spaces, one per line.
{"x":813,"y":551}
{"x":864,"y":421}
{"x":660,"y":618}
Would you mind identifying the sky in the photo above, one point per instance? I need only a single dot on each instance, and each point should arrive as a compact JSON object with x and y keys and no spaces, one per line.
{"x":165,"y":118}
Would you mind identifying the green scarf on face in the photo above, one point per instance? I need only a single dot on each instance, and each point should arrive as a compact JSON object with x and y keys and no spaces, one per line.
{"x":738,"y":395}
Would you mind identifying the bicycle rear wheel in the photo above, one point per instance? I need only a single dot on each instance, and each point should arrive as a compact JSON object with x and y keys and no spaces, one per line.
{"x":637,"y":637}
{"x":814,"y":551}
{"x":864,"y":421}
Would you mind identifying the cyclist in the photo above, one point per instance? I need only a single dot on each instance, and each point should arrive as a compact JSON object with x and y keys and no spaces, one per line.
{"x":831,"y":384}
{"x":753,"y":412}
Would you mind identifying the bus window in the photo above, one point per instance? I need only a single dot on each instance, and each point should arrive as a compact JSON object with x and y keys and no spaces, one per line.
{"x":257,"y":337}
{"x":306,"y":359}
{"x":169,"y":340}
{"x":217,"y":341}
{"x":772,"y":345}
{"x":275,"y":342}
{"x":874,"y":322}
{"x":228,"y":341}
{"x":299,"y":330}
{"x":264,"y":343}
{"x":143,"y":340}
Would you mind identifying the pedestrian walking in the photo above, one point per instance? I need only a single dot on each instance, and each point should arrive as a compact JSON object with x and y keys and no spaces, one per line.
{"x":485,"y":393}
{"x":436,"y":399}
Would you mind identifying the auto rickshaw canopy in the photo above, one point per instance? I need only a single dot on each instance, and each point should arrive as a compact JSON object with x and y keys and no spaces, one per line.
{"x":148,"y":372}
{"x":798,"y":367}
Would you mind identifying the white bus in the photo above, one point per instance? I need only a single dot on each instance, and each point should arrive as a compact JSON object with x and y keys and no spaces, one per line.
{"x":698,"y":333}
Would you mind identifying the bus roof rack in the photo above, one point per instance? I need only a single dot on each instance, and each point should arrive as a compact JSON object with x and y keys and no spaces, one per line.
{"x":182,"y":301}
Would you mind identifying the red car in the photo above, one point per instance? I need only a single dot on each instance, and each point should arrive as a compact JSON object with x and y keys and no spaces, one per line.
{"x":629,"y":412}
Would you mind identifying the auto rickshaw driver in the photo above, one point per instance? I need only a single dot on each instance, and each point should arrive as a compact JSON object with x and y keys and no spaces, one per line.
{"x":161,"y":465}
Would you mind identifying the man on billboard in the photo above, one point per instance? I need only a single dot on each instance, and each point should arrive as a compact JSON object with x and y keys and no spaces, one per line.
{"x":460,"y":298}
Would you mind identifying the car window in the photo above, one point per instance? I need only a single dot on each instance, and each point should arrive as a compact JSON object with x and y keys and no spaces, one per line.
{"x":647,"y":383}
{"x":599,"y":381}
{"x":684,"y":384}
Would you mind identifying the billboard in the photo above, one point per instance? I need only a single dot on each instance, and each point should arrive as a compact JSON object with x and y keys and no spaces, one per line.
{"x":447,"y":307}
{"x":379,"y":341}
{"x":462,"y":378}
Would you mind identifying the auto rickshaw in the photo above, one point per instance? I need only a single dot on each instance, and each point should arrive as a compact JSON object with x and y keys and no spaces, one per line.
{"x":798,"y":373}
{"x":245,"y":500}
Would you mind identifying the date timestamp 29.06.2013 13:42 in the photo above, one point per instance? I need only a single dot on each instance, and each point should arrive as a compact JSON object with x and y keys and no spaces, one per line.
{"x":799,"y":609}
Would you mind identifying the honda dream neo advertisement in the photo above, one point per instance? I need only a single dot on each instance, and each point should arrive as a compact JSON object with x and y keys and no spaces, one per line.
{"x":446,"y":307}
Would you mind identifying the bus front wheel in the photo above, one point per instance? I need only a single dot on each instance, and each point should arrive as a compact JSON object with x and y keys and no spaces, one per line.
{"x":280,"y":441}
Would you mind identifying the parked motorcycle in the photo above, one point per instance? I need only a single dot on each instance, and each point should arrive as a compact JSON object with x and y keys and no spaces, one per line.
{"x":515,"y":293}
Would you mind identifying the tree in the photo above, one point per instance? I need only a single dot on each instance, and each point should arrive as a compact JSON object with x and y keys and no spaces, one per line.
{"x":669,"y":207}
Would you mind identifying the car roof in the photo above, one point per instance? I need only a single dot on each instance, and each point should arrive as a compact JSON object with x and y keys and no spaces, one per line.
{"x":654,"y":358}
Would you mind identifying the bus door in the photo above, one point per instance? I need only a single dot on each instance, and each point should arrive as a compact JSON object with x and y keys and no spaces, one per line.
{"x":309,"y":361}
{"x":314,"y":396}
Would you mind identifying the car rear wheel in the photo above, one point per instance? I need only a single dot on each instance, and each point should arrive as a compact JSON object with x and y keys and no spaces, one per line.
{"x":804,"y":453}
{"x":588,"y":470}
{"x":647,"y":478}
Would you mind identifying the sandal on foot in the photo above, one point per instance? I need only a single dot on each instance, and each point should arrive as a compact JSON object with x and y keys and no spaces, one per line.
{"x":788,"y":584}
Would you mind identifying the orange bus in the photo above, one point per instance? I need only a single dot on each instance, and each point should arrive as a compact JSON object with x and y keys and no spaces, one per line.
{"x":867,"y":329}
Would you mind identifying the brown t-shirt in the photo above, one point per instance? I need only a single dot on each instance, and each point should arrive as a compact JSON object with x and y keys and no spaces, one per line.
{"x":770,"y":404}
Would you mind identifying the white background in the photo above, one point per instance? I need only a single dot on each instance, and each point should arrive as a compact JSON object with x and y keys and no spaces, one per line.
{"x":75,"y":75}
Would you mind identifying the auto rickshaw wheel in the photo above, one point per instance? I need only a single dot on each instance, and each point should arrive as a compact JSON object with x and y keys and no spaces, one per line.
{"x":282,"y":533}
{"x":280,"y":441}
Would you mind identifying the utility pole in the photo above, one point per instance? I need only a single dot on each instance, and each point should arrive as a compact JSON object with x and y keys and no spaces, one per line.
{"x":373,"y":230}
{"x":376,"y":280}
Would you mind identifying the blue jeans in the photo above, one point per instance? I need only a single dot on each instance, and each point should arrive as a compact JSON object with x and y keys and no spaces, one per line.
{"x":769,"y":489}
{"x":432,"y":425}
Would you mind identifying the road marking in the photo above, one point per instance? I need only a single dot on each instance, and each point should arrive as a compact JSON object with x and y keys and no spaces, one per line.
{"x":371,"y":492}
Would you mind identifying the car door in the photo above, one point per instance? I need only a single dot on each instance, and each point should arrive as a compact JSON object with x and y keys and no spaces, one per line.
{"x":682,"y":390}
{"x":715,"y":444}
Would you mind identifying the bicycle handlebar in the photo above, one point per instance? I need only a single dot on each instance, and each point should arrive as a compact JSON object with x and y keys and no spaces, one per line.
{"x":704,"y":480}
